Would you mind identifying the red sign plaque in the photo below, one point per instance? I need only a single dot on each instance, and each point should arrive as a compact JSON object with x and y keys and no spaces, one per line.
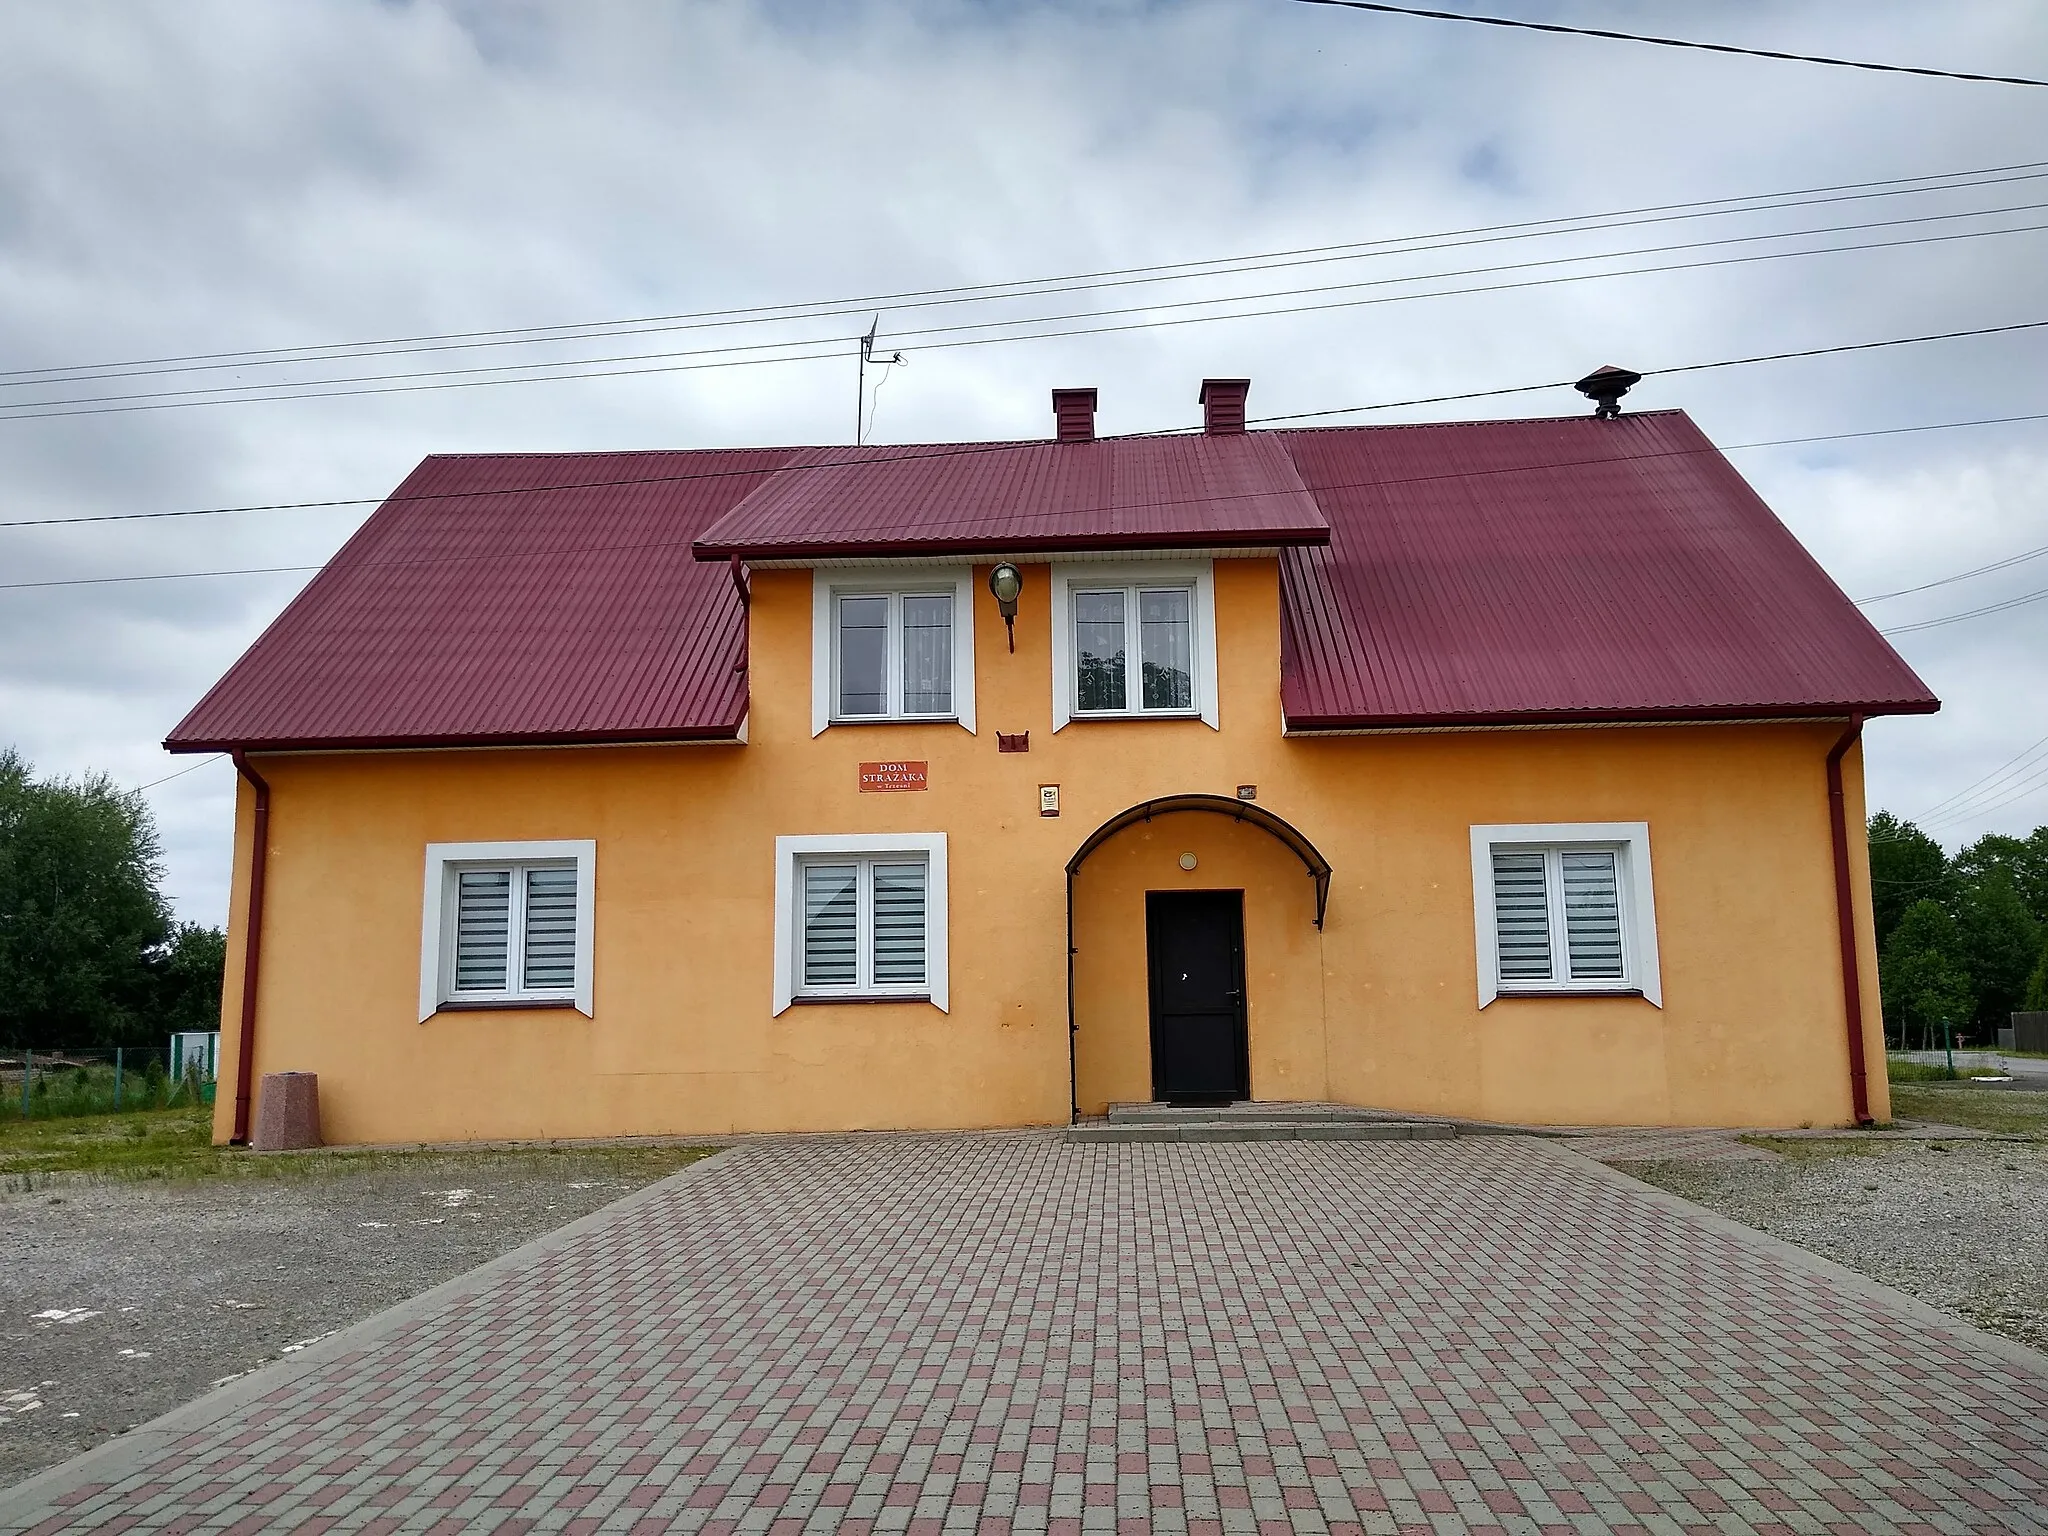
{"x":888,"y":778}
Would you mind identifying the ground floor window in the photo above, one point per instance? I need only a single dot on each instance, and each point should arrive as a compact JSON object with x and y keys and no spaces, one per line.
{"x":860,"y":917}
{"x":507,"y":924}
{"x":1564,"y":908}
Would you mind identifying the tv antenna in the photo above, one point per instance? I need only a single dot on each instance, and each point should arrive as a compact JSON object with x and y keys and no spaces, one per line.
{"x":860,"y":398}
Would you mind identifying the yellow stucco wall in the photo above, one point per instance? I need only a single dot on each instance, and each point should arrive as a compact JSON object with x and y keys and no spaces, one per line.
{"x":1380,"y":1007}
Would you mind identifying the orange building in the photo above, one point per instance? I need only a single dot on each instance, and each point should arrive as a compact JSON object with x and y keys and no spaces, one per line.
{"x":1507,"y":770}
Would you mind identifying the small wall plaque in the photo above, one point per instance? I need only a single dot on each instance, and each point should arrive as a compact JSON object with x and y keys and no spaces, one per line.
{"x":1048,"y":799}
{"x":1247,"y":791}
{"x":1021,"y":742}
{"x":889,"y":778}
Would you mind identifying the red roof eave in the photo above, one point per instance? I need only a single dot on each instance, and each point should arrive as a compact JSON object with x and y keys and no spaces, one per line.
{"x":692,"y":736}
{"x":870,"y":549}
{"x":1673,"y":715}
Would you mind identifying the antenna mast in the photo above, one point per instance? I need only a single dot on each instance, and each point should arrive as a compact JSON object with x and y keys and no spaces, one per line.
{"x":860,"y":389}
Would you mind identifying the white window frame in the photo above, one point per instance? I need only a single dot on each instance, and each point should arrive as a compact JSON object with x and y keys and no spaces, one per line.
{"x":827,"y":586}
{"x":1629,"y":841}
{"x":437,"y":920}
{"x":791,"y":853}
{"x":1198,"y":576}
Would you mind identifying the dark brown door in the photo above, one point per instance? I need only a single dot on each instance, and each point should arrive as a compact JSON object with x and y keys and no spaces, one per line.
{"x":1194,"y":943}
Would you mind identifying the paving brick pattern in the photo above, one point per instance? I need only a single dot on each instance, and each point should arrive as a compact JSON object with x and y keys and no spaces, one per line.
{"x":1011,"y":1333}
{"x":1656,"y":1144}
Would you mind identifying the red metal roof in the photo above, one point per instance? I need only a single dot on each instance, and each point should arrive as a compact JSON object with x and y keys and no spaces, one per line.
{"x":508,"y":597}
{"x":1475,"y":573}
{"x":1560,"y":570}
{"x":1021,"y":498}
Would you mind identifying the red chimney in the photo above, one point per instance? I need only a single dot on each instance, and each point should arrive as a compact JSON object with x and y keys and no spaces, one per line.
{"x":1073,"y":415}
{"x":1223,"y":405}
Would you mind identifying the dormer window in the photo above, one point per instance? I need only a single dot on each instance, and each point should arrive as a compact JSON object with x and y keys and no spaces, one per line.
{"x":892,"y":648}
{"x":894,"y":653}
{"x":1134,"y":642}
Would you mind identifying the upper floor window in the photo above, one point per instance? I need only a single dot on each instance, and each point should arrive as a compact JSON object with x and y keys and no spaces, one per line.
{"x":1565,"y":908}
{"x":1134,"y":641}
{"x":898,"y":649}
{"x":507,"y":924}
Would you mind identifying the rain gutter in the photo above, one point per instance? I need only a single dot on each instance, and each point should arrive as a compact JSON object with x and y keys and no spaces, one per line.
{"x":252,"y":948}
{"x":1845,"y":920}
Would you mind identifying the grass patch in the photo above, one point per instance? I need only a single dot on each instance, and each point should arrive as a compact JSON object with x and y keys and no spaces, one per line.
{"x":177,"y":1144}
{"x":1982,"y":1109}
{"x":64,"y":1088}
{"x":1813,"y":1149}
{"x":1918,"y":1071}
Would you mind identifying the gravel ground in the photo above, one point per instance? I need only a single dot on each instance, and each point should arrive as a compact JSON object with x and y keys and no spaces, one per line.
{"x":1962,"y":1225}
{"x":121,"y":1300}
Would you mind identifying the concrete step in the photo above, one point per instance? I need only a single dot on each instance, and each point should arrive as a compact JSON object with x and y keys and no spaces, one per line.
{"x":1244,"y":1128}
{"x":1181,"y":1114}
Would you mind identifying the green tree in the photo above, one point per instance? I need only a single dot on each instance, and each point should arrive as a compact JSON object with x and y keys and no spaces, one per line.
{"x":1999,"y":941}
{"x":2037,"y":984}
{"x":1905,"y":866}
{"x":2023,"y":859}
{"x":188,"y":979}
{"x":1923,"y":978}
{"x":81,"y":917}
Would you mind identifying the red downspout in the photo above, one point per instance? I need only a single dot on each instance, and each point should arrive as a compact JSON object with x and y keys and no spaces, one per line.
{"x":252,"y":948}
{"x":1845,"y":918}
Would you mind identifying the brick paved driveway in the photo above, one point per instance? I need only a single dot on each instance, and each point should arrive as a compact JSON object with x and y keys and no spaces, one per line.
{"x":1010,"y":1333}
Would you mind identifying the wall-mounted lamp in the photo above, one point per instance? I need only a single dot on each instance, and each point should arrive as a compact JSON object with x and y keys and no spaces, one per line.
{"x":1006,"y":581}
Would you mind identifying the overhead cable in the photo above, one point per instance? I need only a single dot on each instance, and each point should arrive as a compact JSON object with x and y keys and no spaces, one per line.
{"x":27,"y":411}
{"x":959,"y":450}
{"x":1988,"y":784}
{"x":1673,"y":42}
{"x":1763,"y":202}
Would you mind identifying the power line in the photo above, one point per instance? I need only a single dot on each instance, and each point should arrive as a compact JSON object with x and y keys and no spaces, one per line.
{"x":1377,"y":483}
{"x":957,"y":450}
{"x":2021,"y":789}
{"x":1971,"y":613}
{"x":190,"y":768}
{"x":1149,"y":308}
{"x":1972,"y":790}
{"x":1672,"y":42}
{"x":1728,"y":362}
{"x":1979,"y":570}
{"x":25,"y":413}
{"x":1765,"y":202}
{"x":1141,"y":309}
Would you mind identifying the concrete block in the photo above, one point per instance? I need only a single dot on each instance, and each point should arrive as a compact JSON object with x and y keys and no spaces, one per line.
{"x":1223,"y":1131}
{"x":287,"y":1112}
{"x":1427,"y":1131}
{"x":1356,"y":1130}
{"x":1123,"y":1133}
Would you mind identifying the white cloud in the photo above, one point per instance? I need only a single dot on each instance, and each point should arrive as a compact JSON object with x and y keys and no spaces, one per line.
{"x":229,"y":174}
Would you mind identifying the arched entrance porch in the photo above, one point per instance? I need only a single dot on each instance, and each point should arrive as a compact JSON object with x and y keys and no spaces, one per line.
{"x":1192,"y":934}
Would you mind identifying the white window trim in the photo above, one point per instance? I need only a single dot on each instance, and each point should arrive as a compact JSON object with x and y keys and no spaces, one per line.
{"x":1631,"y":842}
{"x":790,"y":851}
{"x":1201,"y":575}
{"x":437,"y":911}
{"x":825,"y":585}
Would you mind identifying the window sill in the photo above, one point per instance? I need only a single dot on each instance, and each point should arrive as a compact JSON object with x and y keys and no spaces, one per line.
{"x":1078,"y":718}
{"x":825,"y":1001}
{"x":499,"y":1004}
{"x":838,"y":720}
{"x":1508,"y":992}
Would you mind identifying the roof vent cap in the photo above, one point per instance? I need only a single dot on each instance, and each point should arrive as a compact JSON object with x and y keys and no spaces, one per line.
{"x":1073,"y":415}
{"x":1222,"y":402}
{"x":1605,"y":386}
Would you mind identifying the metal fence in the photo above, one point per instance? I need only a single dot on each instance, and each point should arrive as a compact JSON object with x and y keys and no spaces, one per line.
{"x":115,"y":1080}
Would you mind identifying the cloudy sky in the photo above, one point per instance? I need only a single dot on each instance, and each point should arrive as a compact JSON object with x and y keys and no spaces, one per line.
{"x":227,"y":175}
